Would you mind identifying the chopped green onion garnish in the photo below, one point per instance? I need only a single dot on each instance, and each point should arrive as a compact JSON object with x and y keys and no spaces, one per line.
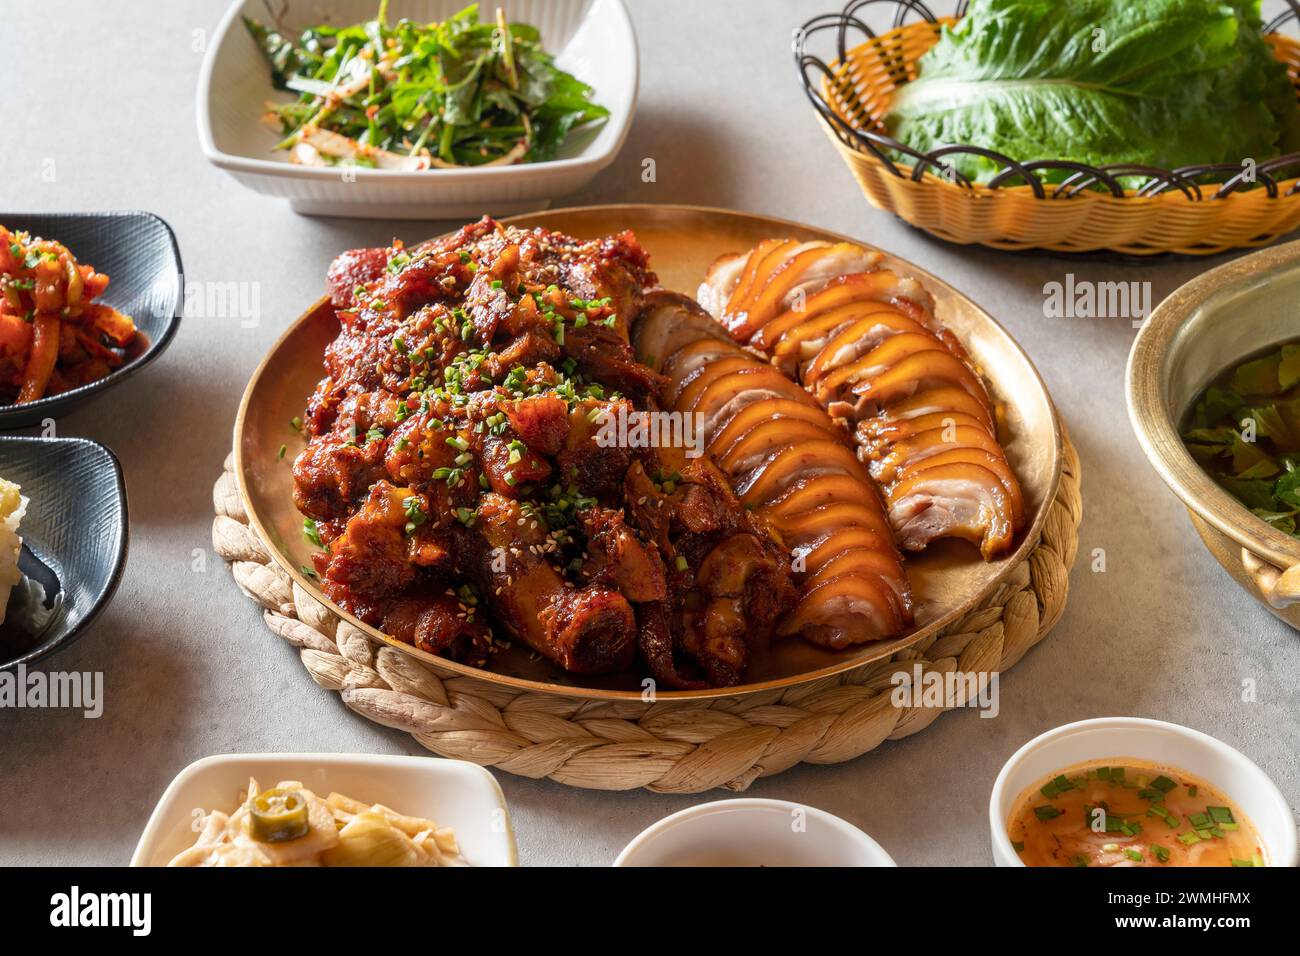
{"x":1220,"y":814}
{"x":1055,"y":787}
{"x":312,"y":532}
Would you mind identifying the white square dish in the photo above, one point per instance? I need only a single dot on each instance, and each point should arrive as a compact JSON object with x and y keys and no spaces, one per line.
{"x":452,"y":793}
{"x":592,"y":39}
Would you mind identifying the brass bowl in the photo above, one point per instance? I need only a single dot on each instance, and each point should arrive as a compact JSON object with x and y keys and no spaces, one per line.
{"x":1216,"y":321}
{"x":949,"y":580}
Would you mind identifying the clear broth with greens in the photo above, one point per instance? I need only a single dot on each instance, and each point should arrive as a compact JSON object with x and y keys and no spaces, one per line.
{"x":1244,"y":430}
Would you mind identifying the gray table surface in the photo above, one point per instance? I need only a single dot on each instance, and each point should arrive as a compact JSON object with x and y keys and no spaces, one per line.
{"x":189,"y":669}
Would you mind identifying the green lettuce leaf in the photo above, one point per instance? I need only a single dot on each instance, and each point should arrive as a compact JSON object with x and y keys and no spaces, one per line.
{"x":1158,"y":82}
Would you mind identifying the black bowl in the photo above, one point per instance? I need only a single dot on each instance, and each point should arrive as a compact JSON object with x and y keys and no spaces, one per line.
{"x":74,"y":538}
{"x":138,"y":253}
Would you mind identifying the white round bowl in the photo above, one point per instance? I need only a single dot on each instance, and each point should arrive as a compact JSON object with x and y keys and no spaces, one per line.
{"x":751,"y":832}
{"x":1155,"y":741}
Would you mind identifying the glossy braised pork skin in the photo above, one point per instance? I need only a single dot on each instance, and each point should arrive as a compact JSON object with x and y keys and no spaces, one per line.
{"x":460,"y":488}
{"x":865,"y":343}
{"x":794,"y":466}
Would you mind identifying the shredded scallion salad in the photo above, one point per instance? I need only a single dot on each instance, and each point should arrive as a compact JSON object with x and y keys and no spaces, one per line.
{"x":414,"y":96}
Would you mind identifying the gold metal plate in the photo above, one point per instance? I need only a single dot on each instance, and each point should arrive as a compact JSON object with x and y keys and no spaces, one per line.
{"x":948,"y":580}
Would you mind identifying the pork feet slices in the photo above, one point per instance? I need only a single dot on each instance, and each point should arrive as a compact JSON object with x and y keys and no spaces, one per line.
{"x":790,"y":463}
{"x":458,"y":480}
{"x":865,"y":343}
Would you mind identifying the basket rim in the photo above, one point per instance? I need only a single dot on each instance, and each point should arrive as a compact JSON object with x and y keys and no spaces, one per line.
{"x":1017,"y":175}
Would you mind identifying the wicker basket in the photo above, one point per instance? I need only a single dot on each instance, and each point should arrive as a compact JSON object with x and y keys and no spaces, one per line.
{"x":1171,"y":211}
{"x":666,"y":746}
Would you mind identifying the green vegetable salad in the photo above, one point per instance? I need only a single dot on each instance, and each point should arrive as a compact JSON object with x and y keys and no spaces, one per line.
{"x":414,"y":95}
{"x":1245,"y":431}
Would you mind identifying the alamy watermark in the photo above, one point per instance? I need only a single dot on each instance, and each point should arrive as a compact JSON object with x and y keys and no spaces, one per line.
{"x":629,"y":428}
{"x":942,"y":690}
{"x":73,"y":909}
{"x":66,"y":690}
{"x":224,"y":300}
{"x":1083,"y":299}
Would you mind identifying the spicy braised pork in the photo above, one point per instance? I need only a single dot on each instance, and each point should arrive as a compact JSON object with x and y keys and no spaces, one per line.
{"x":463,"y":488}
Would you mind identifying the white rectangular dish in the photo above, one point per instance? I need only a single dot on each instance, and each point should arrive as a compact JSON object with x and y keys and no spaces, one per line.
{"x":592,"y":39}
{"x":452,"y":793}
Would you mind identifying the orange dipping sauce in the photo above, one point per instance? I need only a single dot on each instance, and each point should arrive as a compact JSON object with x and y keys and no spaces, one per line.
{"x":1126,"y":812}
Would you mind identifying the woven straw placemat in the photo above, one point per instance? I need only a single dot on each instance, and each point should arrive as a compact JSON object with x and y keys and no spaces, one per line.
{"x":666,"y":746}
